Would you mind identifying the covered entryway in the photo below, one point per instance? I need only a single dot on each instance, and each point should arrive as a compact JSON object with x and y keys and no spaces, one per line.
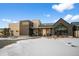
{"x":42,"y":31}
{"x":61,"y":30}
{"x":62,"y":33}
{"x":46,"y":31}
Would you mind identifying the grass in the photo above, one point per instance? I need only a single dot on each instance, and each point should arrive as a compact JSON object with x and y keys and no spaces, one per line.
{"x":6,"y":42}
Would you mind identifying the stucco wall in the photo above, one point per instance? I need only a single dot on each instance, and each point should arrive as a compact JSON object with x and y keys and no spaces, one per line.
{"x":76,"y":33}
{"x":14,"y":27}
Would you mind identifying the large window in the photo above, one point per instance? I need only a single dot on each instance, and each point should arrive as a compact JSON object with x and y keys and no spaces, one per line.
{"x":60,"y":27}
{"x":61,"y":30}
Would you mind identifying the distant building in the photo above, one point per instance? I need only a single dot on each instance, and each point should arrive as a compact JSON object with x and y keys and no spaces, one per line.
{"x":4,"y":32}
{"x":36,"y":28}
{"x":14,"y":29}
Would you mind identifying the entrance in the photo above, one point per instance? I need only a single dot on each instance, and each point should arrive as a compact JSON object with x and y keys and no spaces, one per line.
{"x":44,"y":32}
{"x":61,"y":31}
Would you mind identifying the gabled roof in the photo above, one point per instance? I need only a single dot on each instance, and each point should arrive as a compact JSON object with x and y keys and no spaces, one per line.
{"x":62,"y":21}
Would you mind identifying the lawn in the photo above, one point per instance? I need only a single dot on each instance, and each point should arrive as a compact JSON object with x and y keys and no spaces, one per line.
{"x":6,"y":42}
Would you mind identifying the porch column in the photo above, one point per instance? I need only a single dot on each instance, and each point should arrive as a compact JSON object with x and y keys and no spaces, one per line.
{"x":53,"y":32}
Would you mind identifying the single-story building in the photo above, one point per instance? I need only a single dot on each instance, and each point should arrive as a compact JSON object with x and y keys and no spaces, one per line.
{"x":36,"y":28}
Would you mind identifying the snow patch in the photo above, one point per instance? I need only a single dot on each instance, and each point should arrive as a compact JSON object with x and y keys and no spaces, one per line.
{"x":41,"y":47}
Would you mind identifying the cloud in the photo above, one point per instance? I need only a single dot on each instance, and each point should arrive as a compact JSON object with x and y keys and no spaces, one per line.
{"x":5,"y":22}
{"x":48,"y":15}
{"x":63,"y":6}
{"x":8,"y":21}
{"x":75,"y":18}
{"x":68,"y":17}
{"x":71,"y":18}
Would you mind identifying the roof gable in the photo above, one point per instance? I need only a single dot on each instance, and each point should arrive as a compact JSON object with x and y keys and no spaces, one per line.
{"x":62,"y":21}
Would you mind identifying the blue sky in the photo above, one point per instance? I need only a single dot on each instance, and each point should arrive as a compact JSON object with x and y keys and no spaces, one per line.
{"x":45,"y":12}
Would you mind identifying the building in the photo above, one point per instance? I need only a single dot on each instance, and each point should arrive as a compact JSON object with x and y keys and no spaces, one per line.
{"x":36,"y":28}
{"x":43,"y":30}
{"x":26,"y":28}
{"x":14,"y":29}
{"x":36,"y":23}
{"x":76,"y":28}
{"x":4,"y":32}
{"x":60,"y":28}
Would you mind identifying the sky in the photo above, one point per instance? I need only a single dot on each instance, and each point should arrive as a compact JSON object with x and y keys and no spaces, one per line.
{"x":45,"y":12}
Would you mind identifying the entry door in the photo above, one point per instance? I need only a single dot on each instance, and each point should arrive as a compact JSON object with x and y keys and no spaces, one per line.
{"x":44,"y":32}
{"x":61,"y":33}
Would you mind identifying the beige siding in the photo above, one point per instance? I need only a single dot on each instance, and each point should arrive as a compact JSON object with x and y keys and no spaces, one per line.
{"x":76,"y":33}
{"x":44,"y":32}
{"x":15,"y":28}
{"x":36,"y":23}
{"x":1,"y":32}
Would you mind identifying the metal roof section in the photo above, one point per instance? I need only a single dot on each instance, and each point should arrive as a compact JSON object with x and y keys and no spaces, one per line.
{"x":46,"y":25}
{"x":75,"y":23}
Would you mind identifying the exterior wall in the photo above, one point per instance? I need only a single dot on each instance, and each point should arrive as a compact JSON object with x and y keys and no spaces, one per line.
{"x":26,"y":28}
{"x":1,"y":32}
{"x":70,"y":31}
{"x":36,"y":23}
{"x":44,"y":32}
{"x":4,"y":32}
{"x":37,"y":32}
{"x":47,"y":31}
{"x":76,"y":33}
{"x":14,"y":29}
{"x":53,"y":32}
